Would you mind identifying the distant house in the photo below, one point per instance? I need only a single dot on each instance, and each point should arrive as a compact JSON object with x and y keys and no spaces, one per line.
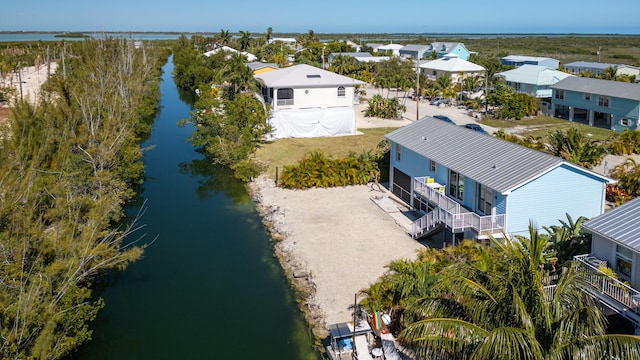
{"x":373,"y":46}
{"x":609,"y":104}
{"x":355,"y":55}
{"x":260,"y":67}
{"x":474,"y":185}
{"x":309,"y":102}
{"x":534,"y":80}
{"x":519,"y":60}
{"x":414,"y":51}
{"x":597,"y":68}
{"x":291,"y":42}
{"x":615,"y":243}
{"x":393,"y":48}
{"x":451,"y":66}
{"x":248,"y":55}
{"x":444,"y":49}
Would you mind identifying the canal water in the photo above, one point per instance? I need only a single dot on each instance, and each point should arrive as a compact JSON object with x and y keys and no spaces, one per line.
{"x":208,"y":287}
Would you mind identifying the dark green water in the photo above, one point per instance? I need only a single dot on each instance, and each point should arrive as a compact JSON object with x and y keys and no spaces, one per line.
{"x":208,"y":287}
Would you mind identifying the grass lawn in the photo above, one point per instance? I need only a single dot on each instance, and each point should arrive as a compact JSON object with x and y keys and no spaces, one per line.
{"x":541,"y":126}
{"x":282,"y":152}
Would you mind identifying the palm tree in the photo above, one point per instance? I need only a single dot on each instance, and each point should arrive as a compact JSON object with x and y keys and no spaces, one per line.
{"x":575,"y":147}
{"x":238,"y":73}
{"x":224,"y":37}
{"x":501,"y":307}
{"x":245,"y":40}
{"x":610,"y":73}
{"x":269,"y":33}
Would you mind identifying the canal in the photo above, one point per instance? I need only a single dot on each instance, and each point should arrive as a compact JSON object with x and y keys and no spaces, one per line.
{"x":208,"y":286}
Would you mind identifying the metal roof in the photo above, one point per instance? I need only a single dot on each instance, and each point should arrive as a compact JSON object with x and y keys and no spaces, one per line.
{"x":533,"y":74}
{"x":415,"y":47}
{"x":451,"y":64}
{"x":611,"y":88}
{"x":619,"y":225}
{"x":525,"y":58}
{"x":589,"y":64}
{"x":304,"y":75}
{"x":501,"y":165}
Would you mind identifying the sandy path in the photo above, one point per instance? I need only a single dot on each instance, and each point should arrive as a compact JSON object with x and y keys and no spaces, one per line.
{"x":340,"y":236}
{"x":32,"y":78}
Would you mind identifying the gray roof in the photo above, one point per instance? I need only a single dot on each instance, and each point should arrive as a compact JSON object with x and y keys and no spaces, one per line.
{"x":415,"y":47}
{"x":525,"y":58}
{"x":256,"y":65}
{"x":619,"y":225}
{"x":611,"y":88}
{"x":533,"y":74}
{"x":443,"y":46}
{"x":352,"y":54}
{"x":501,"y":165}
{"x":589,"y":64}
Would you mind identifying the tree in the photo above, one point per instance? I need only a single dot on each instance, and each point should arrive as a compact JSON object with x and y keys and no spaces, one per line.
{"x":628,"y":176}
{"x":499,"y":307}
{"x":573,"y":146}
{"x":224,"y":37}
{"x":269,"y":33}
{"x":394,"y":73}
{"x":245,"y":40}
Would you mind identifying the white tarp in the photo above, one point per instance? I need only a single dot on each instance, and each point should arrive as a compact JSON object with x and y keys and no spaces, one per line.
{"x":306,"y":123}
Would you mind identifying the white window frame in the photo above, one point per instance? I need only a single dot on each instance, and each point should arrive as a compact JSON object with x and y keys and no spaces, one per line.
{"x":559,"y":94}
{"x":485,"y":200}
{"x":341,"y":91}
{"x":433,"y":166}
{"x":603,"y":101}
{"x":456,"y":185}
{"x":398,"y":152}
{"x":623,"y":256}
{"x":587,"y":97}
{"x":625,"y":122}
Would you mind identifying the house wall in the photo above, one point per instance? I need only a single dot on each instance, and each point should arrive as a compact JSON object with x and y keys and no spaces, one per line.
{"x":618,"y":107}
{"x":263,"y":70}
{"x":459,"y":50}
{"x":605,"y":249}
{"x":548,"y":199}
{"x":311,"y":97}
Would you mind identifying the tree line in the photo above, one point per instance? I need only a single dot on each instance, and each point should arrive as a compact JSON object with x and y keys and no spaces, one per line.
{"x":68,"y":167}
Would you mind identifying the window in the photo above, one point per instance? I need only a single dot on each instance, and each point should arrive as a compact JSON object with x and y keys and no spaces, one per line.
{"x":432,"y":166}
{"x":341,"y":91}
{"x":625,"y":122}
{"x":485,"y":199}
{"x":398,"y":152}
{"x":587,"y":97}
{"x":456,"y":185}
{"x":603,"y":101}
{"x":516,"y":86}
{"x":624,"y":264}
{"x":560,"y":94}
{"x":285,"y":96}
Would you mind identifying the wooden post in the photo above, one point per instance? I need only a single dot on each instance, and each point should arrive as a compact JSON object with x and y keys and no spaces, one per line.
{"x":276,"y":176}
{"x":353,"y":340}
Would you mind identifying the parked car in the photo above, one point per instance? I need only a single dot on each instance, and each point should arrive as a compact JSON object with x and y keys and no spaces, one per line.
{"x":444,"y":118}
{"x":476,"y":127}
{"x":436,"y":100}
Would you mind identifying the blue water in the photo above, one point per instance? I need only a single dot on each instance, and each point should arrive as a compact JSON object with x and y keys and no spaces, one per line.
{"x":208,"y":287}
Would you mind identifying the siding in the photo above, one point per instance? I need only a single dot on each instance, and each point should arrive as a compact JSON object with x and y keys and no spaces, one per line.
{"x":605,"y":249}
{"x":548,"y":198}
{"x":410,"y":163}
{"x":318,"y":98}
{"x":620,"y":108}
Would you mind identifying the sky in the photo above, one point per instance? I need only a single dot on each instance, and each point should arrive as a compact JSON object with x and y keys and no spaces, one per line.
{"x":324,"y":16}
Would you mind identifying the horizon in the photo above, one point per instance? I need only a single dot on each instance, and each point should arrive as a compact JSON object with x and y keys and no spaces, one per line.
{"x":330,"y":17}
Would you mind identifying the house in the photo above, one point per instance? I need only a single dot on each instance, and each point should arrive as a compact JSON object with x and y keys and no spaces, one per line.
{"x":452,"y":66}
{"x":373,"y":46}
{"x":615,"y":243}
{"x":474,"y":185}
{"x":519,"y":60}
{"x":307,"y":101}
{"x":248,"y":55}
{"x":260,"y":67}
{"x":609,"y":104}
{"x":414,"y":51}
{"x":597,"y":68}
{"x":443,"y":49}
{"x":356,"y":55}
{"x":535,"y":80}
{"x":394,"y":49}
{"x":290,"y":42}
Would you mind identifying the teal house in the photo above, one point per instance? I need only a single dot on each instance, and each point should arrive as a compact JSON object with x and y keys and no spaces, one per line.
{"x":608,"y":104}
{"x":473,"y":185}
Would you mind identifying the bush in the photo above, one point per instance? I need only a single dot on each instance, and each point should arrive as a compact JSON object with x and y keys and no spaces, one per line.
{"x":384,"y":108}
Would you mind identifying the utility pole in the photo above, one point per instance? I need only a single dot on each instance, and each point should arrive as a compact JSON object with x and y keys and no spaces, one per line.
{"x":599,"y":48}
{"x":323,"y":58}
{"x":417,"y":90}
{"x":20,"y":78}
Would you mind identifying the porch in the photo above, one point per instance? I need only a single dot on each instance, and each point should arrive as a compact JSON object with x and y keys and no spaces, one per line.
{"x":611,"y":292}
{"x":448,"y":212}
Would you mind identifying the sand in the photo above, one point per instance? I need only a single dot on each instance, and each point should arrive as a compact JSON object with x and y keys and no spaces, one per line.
{"x":32,"y":78}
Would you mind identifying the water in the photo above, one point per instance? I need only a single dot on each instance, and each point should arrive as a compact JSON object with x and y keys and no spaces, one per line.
{"x":46,"y":36}
{"x":208,"y":287}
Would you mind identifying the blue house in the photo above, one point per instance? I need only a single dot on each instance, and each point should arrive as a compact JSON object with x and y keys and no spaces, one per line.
{"x":615,"y":243}
{"x":533,"y":79}
{"x":609,"y":104}
{"x":476,"y":185}
{"x":441,"y":49}
{"x":519,"y":60}
{"x":414,"y":51}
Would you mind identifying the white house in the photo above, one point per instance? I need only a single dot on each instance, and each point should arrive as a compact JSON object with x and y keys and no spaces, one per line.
{"x":394,"y":48}
{"x":307,"y":101}
{"x":250,"y":56}
{"x":452,"y":66}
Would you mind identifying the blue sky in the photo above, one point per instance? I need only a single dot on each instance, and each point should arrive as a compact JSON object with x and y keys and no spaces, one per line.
{"x":327,"y":16}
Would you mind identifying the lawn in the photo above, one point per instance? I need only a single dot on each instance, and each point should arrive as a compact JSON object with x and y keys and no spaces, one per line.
{"x":282,"y":152}
{"x":541,"y":126}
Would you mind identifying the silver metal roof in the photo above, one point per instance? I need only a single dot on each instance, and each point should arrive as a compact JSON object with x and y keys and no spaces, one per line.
{"x":501,"y":165}
{"x":619,"y":225}
{"x":415,"y":47}
{"x":611,"y":88}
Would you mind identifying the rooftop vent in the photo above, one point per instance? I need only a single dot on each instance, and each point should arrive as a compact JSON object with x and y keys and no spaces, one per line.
{"x":313,"y":76}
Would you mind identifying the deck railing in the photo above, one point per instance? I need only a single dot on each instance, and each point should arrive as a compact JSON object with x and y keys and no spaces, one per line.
{"x":608,"y":286}
{"x":449,"y":212}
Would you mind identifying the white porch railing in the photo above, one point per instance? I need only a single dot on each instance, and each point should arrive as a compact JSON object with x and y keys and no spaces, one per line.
{"x":609,"y":288}
{"x":449,"y":213}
